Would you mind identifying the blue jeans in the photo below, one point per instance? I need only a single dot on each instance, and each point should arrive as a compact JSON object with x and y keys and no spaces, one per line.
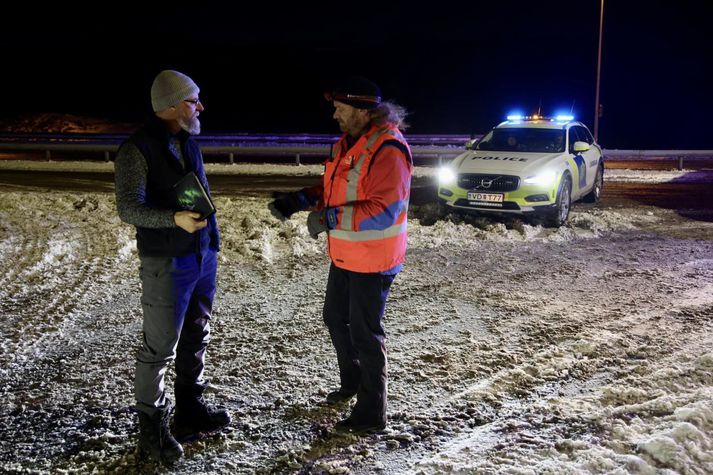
{"x":177,"y":300}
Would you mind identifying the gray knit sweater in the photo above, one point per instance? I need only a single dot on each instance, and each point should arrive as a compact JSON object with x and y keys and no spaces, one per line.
{"x":130,"y":172}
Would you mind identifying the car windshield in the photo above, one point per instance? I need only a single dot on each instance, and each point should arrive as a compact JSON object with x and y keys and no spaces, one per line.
{"x":525,"y":139}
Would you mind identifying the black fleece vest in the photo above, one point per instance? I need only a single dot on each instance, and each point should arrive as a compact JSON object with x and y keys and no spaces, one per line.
{"x":164,"y":170}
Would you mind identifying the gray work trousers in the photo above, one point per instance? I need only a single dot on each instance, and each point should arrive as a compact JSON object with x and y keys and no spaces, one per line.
{"x":177,"y":299}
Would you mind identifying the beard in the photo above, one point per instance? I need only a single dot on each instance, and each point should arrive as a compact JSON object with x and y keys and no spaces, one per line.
{"x":349,"y":127}
{"x":192,"y":125}
{"x":353,"y":127}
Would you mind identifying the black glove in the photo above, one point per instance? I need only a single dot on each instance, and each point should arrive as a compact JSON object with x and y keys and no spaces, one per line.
{"x":286,"y":204}
{"x":316,"y":223}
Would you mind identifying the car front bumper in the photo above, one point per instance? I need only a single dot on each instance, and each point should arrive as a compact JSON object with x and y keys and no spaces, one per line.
{"x":526,"y":199}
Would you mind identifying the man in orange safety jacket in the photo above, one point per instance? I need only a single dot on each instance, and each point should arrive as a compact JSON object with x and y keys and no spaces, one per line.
{"x":362,"y":205}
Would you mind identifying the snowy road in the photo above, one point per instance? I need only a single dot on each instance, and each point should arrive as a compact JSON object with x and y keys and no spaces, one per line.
{"x":513,"y":348}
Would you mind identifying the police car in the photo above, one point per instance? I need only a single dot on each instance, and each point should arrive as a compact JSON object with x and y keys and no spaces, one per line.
{"x":526,"y":165}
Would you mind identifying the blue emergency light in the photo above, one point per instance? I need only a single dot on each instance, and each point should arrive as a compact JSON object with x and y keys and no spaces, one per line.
{"x":558,"y":117}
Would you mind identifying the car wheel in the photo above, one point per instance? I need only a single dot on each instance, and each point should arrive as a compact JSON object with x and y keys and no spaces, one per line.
{"x":596,"y":193}
{"x":560,"y":213}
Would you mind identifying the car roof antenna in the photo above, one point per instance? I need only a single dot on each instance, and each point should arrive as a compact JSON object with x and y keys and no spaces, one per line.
{"x":571,"y":110}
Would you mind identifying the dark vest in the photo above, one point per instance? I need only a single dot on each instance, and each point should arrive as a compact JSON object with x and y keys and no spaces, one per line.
{"x":164,"y":170}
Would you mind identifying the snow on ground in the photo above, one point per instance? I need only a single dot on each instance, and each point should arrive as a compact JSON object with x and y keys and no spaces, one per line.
{"x":610,"y":174}
{"x":512,"y":348}
{"x":658,"y":176}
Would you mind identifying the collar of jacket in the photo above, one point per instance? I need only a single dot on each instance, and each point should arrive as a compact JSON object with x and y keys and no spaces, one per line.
{"x":350,"y":141}
{"x":157,"y":128}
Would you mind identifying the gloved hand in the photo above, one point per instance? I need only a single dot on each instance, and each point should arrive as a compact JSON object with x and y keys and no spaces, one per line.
{"x":320,"y":221}
{"x":316,"y":223}
{"x":286,"y":204}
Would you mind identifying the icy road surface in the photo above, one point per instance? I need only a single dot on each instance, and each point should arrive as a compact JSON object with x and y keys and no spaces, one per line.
{"x":512,"y":348}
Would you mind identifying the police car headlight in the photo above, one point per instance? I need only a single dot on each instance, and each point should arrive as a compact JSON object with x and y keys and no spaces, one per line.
{"x":446,"y":176}
{"x":542,"y":179}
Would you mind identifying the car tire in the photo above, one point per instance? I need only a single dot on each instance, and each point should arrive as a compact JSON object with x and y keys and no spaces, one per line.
{"x":596,"y":193}
{"x":559,"y":215}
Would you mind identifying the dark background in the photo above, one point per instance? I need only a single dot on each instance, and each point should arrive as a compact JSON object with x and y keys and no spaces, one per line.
{"x":459,"y":68}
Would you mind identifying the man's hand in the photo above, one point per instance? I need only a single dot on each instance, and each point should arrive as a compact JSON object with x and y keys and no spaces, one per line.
{"x":316,"y":223}
{"x":189,"y":221}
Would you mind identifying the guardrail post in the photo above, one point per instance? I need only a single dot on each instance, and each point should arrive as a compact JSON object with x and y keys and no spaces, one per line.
{"x":231,"y":157}
{"x":680,"y":162}
{"x":48,"y":155}
{"x":297,"y":159}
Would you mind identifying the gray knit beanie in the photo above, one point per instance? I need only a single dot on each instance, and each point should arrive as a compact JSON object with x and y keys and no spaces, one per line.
{"x":171,"y":87}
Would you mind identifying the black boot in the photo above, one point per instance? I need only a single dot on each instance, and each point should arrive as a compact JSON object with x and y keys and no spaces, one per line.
{"x":193,"y":416}
{"x":155,"y":439}
{"x":356,"y":426}
{"x":340,"y":395}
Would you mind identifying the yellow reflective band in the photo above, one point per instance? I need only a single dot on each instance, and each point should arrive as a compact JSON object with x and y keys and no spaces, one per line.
{"x":370,"y":235}
{"x":352,"y":178}
{"x":375,"y":137}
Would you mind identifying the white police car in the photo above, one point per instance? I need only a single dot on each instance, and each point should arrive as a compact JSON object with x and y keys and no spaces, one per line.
{"x":526,"y":165}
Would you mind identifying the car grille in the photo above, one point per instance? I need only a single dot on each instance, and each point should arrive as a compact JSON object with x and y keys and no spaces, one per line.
{"x":494,"y":206}
{"x":478,"y":181}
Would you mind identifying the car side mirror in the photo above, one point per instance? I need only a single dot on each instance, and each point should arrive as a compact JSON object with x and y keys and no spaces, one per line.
{"x":470,"y":144}
{"x":580,"y":147}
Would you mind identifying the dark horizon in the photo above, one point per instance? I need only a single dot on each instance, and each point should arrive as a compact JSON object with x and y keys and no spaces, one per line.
{"x":458,"y":70}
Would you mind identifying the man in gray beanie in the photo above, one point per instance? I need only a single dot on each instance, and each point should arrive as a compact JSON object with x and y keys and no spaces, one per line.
{"x":178,"y":253}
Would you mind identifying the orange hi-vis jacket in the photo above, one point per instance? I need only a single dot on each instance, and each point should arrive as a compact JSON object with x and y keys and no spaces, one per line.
{"x":369,"y":185}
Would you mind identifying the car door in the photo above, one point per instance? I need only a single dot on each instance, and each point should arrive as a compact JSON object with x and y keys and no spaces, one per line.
{"x":592,"y":157}
{"x":580,"y":181}
{"x":589,"y":159}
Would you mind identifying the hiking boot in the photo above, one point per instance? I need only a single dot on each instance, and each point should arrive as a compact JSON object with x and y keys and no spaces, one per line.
{"x":339,"y":396}
{"x":155,"y":439}
{"x":193,"y":415}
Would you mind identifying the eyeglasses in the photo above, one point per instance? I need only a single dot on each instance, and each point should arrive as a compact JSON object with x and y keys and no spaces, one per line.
{"x":192,"y":101}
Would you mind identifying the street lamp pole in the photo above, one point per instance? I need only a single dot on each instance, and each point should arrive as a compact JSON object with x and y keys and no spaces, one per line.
{"x":597,"y":106}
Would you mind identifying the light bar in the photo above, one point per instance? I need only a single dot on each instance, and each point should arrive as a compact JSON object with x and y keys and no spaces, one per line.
{"x":558,"y":118}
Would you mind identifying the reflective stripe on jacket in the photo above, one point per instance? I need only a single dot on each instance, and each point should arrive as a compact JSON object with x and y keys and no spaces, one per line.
{"x":369,"y":184}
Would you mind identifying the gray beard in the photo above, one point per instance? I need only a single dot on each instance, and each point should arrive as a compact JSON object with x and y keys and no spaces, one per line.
{"x":192,"y":126}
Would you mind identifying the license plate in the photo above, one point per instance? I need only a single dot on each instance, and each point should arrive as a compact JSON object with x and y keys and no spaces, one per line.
{"x":486,"y":197}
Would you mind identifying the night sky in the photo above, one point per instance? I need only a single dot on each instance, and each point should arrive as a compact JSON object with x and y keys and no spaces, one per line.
{"x":459,"y":68}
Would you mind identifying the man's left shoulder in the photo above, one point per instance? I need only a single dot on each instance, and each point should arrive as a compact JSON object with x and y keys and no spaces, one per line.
{"x":395,"y":150}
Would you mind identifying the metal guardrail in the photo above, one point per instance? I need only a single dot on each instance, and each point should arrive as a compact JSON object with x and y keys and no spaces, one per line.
{"x":438,"y":153}
{"x":227,"y":139}
{"x":431,"y":147}
{"x":438,"y":147}
{"x":656,"y":154}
